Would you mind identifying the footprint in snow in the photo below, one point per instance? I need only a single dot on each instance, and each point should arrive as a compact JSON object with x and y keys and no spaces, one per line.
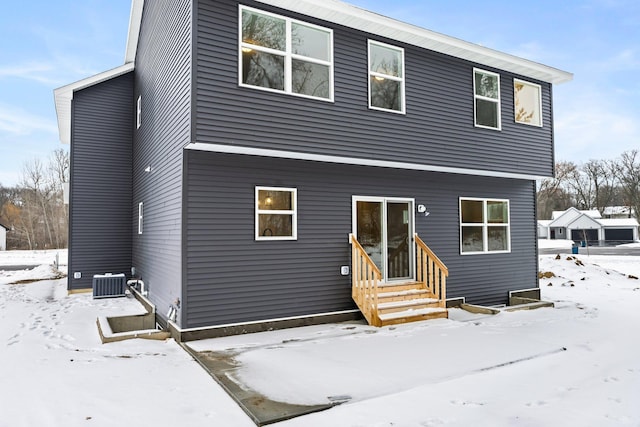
{"x":536,"y":403}
{"x":466,"y":403}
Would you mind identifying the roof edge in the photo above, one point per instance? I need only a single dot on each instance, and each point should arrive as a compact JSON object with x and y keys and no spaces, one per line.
{"x":135,"y":22}
{"x":352,"y":16}
{"x":64,"y":95}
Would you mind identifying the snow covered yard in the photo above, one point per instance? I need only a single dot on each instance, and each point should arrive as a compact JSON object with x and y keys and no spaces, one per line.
{"x":576,"y":364}
{"x":54,"y":371}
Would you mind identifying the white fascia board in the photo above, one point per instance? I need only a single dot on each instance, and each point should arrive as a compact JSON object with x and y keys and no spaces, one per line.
{"x":356,"y":161}
{"x":584,"y":221}
{"x":135,"y":21}
{"x":64,"y":95}
{"x":564,"y":218}
{"x":352,"y":16}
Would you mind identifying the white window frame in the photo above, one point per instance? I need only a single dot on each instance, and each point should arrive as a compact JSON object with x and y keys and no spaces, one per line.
{"x":288,"y":55}
{"x":140,"y":217}
{"x":139,"y":112}
{"x":515,"y":111}
{"x":375,"y":74}
{"x":485,"y":225}
{"x":484,"y":98}
{"x":293,"y":213}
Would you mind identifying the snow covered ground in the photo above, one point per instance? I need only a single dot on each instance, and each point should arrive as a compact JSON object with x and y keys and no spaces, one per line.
{"x":575,"y":364}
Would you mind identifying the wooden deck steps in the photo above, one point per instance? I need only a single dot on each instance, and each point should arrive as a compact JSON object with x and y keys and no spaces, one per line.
{"x":393,"y":303}
{"x":406,"y":302}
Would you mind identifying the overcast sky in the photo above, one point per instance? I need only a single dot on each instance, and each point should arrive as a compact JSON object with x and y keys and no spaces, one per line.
{"x":47,"y":44}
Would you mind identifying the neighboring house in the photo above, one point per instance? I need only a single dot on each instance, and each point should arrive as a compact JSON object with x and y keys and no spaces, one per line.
{"x":618,"y":212}
{"x":3,"y":237}
{"x":242,"y":143}
{"x":588,"y":226}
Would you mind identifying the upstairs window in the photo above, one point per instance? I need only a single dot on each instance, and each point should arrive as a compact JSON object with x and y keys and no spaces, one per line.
{"x":386,"y":77}
{"x":285,"y":55}
{"x":484,"y":226}
{"x":276,"y":213}
{"x":486,"y":89}
{"x":527,"y":102}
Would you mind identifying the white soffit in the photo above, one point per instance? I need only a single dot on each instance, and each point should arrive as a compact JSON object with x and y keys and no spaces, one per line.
{"x":351,"y":16}
{"x":135,"y":20}
{"x":64,"y":95}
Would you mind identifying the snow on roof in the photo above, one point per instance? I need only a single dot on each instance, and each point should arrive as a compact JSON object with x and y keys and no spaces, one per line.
{"x":573,"y":212}
{"x":618,"y":210}
{"x":575,"y":218}
{"x":621,"y":222}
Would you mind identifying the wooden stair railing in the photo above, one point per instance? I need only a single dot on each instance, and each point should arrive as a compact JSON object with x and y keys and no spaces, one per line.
{"x":366,"y":278}
{"x":431,"y":271}
{"x":386,"y":303}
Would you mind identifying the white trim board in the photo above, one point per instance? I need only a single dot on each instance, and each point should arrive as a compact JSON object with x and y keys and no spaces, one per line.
{"x":295,"y":155}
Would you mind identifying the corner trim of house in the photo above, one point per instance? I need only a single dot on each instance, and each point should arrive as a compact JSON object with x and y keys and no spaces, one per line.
{"x":193,"y":334}
{"x":295,"y":155}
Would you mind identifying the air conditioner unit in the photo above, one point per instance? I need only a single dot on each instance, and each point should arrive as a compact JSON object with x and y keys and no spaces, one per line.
{"x":109,"y":285}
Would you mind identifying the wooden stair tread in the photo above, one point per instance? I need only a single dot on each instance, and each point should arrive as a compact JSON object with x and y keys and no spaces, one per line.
{"x":412,"y":313}
{"x":407,"y":303}
{"x":402,"y":293}
{"x":399,"y":284}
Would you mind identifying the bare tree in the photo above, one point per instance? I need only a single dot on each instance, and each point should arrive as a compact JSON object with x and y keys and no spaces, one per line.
{"x":59,"y":164}
{"x":628,"y":174}
{"x":35,"y":210}
{"x":602,"y":178}
{"x":580,"y":187}
{"x":552,"y":192}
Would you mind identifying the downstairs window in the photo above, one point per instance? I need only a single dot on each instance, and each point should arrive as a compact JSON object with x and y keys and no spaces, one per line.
{"x":276,"y":213}
{"x":484,"y":226}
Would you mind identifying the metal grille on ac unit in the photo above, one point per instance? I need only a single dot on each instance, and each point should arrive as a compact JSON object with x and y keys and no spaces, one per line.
{"x":109,"y":285}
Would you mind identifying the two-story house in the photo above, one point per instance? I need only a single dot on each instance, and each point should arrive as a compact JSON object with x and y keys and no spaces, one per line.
{"x":268,"y":162}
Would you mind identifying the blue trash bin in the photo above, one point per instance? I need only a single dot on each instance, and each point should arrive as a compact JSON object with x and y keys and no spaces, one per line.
{"x":574,"y":249}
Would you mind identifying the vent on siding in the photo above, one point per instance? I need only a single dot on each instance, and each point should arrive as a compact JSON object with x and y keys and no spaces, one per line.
{"x":109,"y":285}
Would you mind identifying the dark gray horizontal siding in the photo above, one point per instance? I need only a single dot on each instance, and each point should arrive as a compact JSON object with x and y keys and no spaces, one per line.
{"x":100,"y":198}
{"x":233,"y":278}
{"x":163,"y":79}
{"x":437,"y":129}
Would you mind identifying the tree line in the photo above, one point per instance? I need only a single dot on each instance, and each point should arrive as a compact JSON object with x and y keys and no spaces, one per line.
{"x":37,"y":217}
{"x":595,"y":184}
{"x":34,"y":210}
